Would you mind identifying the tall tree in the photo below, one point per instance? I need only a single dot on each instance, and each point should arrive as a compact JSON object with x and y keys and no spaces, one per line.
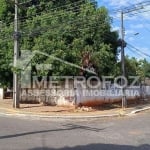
{"x":66,"y":30}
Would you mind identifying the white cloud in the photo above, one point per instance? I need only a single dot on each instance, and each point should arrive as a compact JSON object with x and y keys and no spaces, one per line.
{"x":144,"y":49}
{"x":144,"y":52}
{"x":130,"y":32}
{"x":137,"y":26}
{"x":134,"y":22}
{"x":140,"y":53}
{"x":122,"y":3}
{"x":131,"y":39}
{"x":115,"y":28}
{"x":117,"y":16}
{"x":118,"y":3}
{"x":145,"y":12}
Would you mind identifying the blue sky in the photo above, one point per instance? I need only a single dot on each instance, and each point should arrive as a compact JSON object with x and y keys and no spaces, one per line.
{"x":137,"y":31}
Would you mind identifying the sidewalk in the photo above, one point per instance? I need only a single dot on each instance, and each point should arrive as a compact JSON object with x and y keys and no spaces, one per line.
{"x":38,"y":110}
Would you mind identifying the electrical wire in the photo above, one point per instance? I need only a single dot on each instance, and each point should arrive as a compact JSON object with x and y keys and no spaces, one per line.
{"x":78,"y":21}
{"x":138,"y":50}
{"x":134,"y":51}
{"x":53,"y":10}
{"x":46,"y":27}
{"x":142,"y":21}
{"x":56,"y":8}
{"x":72,"y":10}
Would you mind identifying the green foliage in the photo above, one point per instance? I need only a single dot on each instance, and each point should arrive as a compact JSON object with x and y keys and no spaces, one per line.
{"x":6,"y":55}
{"x":139,"y":68}
{"x":62,"y":29}
{"x":6,"y":11}
{"x":134,"y":67}
{"x":131,"y":66}
{"x":144,"y":71}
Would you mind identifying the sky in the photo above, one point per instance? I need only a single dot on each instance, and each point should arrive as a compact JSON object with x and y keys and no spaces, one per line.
{"x":136,"y":25}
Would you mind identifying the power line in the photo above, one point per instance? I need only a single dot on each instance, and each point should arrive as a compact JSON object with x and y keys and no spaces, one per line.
{"x":22,"y":19}
{"x":74,"y":10}
{"x":138,"y":50}
{"x":134,"y":51}
{"x":127,"y":10}
{"x":55,"y":9}
{"x":134,"y":7}
{"x":144,"y":11}
{"x":48,"y":17}
{"x":78,"y":22}
{"x":131,"y":7}
{"x":46,"y":27}
{"x":141,"y":20}
{"x":45,"y":16}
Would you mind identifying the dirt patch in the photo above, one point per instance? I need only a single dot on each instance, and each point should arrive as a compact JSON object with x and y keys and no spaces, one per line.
{"x":56,"y":110}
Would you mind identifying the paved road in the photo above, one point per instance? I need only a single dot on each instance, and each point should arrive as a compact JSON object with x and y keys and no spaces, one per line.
{"x":129,"y":133}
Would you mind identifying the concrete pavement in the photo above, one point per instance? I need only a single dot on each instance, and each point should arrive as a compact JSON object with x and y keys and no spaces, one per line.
{"x":115,"y":133}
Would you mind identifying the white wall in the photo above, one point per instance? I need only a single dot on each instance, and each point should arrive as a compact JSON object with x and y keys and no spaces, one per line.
{"x":1,"y":93}
{"x":110,"y":94}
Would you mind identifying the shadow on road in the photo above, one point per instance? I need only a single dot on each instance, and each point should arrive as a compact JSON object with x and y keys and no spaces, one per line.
{"x":99,"y":147}
{"x":83,"y":127}
{"x":69,"y":127}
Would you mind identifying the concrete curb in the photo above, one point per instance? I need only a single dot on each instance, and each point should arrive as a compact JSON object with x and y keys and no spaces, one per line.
{"x":62,"y":117}
{"x":16,"y":113}
{"x":140,"y":110}
{"x":57,"y":116}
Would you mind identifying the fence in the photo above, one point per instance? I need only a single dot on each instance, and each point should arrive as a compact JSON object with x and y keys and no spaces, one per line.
{"x":91,"y":97}
{"x":70,"y":96}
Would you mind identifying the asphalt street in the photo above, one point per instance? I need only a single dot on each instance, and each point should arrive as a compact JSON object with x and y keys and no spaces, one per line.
{"x":127,"y":133}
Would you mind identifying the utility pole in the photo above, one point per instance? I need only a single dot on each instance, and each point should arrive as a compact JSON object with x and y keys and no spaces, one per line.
{"x":124,"y":101}
{"x":16,"y":56}
{"x":123,"y":45}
